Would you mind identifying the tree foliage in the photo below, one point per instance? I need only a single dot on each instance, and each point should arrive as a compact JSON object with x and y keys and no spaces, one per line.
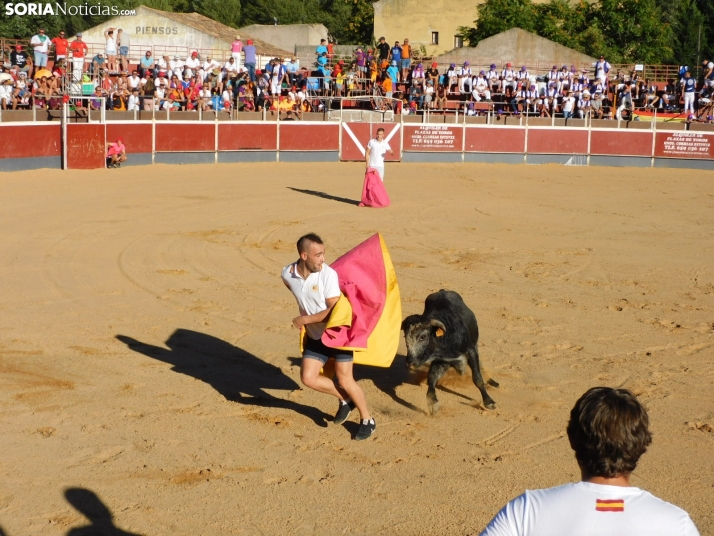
{"x":348,"y":21}
{"x":625,"y":31}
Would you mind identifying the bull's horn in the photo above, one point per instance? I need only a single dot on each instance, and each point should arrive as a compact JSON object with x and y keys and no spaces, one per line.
{"x":437,"y":324}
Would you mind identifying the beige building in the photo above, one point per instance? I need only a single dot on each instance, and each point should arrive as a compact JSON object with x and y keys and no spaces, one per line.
{"x":166,"y":33}
{"x":287,"y":36}
{"x":433,"y":24}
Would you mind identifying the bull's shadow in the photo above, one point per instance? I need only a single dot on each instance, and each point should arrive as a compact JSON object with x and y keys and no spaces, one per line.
{"x":236,"y":374}
{"x":100,"y":517}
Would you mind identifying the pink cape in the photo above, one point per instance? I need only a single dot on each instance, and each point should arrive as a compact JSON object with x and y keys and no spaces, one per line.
{"x":363,"y":281}
{"x":373,"y":192}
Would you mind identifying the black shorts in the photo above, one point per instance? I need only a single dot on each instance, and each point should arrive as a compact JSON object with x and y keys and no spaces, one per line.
{"x":317,"y":350}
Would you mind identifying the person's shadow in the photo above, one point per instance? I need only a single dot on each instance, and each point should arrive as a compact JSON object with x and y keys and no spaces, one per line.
{"x":100,"y":517}
{"x":236,"y":374}
{"x":325,"y":196}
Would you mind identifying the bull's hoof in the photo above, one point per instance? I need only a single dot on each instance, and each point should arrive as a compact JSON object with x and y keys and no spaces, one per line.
{"x":490,"y":404}
{"x":492,"y":382}
{"x":433,"y":408}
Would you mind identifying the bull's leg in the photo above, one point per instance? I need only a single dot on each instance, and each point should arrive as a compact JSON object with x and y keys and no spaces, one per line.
{"x":436,"y":371}
{"x":478,"y":379}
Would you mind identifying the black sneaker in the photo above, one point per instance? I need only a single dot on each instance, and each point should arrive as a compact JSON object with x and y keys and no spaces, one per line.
{"x":366,"y":429}
{"x":344,"y":412}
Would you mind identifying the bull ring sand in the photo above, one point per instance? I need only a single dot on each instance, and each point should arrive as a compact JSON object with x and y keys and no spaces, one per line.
{"x":149,"y":373}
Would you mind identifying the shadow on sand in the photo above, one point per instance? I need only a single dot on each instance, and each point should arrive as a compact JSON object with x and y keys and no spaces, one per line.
{"x":236,"y":374}
{"x":100,"y":517}
{"x":325,"y":196}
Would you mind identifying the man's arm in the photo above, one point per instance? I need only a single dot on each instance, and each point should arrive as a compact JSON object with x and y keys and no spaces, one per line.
{"x":300,"y":321}
{"x":366,"y":156}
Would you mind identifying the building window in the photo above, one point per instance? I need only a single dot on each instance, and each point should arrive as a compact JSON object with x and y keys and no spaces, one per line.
{"x":434,"y":38}
{"x":458,"y":41}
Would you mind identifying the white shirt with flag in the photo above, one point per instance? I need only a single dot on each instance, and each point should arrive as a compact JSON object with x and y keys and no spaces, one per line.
{"x":587,"y":509}
{"x":312,"y":293}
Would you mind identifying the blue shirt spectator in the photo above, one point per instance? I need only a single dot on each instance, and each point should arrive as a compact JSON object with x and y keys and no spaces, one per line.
{"x":249,"y":51}
{"x":397,"y":52}
{"x":393,"y":72}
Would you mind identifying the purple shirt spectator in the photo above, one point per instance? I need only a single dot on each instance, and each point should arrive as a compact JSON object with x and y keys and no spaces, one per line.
{"x":249,"y":51}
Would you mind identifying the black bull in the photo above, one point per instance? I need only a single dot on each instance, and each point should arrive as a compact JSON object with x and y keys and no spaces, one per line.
{"x":445,"y":335}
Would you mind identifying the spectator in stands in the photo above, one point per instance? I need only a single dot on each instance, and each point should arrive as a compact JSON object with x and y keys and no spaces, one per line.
{"x":584,"y":105}
{"x":61,"y":46}
{"x":480,"y":88}
{"x":111,"y":50}
{"x":116,"y":153}
{"x":229,"y":68}
{"x":450,"y":77}
{"x":393,"y":72}
{"x":596,"y":106}
{"x":608,"y":432}
{"x":669,"y":97}
{"x":624,"y":111}
{"x":95,"y":103}
{"x":524,"y":76}
{"x":463,"y":76}
{"x":97,"y":65}
{"x":568,"y":105}
{"x":406,"y":59}
{"x":508,"y":78}
{"x":384,"y":49}
{"x":22,"y":92}
{"x":236,"y":51}
{"x":708,"y":73}
{"x":41,"y":46}
{"x":249,"y":51}
{"x":162,"y":64}
{"x":689,"y":87}
{"x":134,"y":102}
{"x":134,"y":81}
{"x":432,"y":74}
{"x":493,"y":79}
{"x":396,"y":56}
{"x":175,"y":67}
{"x":321,"y":49}
{"x":292,"y":69}
{"x":418,"y":74}
{"x":6,"y":94}
{"x":21,"y":59}
{"x":192,"y":64}
{"x":146,"y":64}
{"x":429,"y":94}
{"x":147,"y":91}
{"x":602,"y":70}
{"x":650,"y":90}
{"x":209,"y":66}
{"x":279,"y":76}
{"x":441,"y":98}
{"x":123,"y":44}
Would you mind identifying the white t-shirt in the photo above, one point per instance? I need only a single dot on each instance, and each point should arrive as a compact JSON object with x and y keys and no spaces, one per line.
{"x":586,"y":509}
{"x":312,"y":293}
{"x":377,"y":151}
{"x":133,"y":103}
{"x":40,"y":43}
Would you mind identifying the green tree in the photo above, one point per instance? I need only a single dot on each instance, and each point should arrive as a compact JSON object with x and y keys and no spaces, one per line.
{"x":284,"y":11}
{"x":227,"y":12}
{"x":496,"y":16}
{"x":350,"y":21}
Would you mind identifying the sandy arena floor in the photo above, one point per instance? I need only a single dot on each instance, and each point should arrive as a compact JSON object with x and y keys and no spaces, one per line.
{"x":148,"y":369}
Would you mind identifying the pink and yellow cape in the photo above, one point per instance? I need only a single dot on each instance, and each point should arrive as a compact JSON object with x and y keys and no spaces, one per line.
{"x":367,"y":318}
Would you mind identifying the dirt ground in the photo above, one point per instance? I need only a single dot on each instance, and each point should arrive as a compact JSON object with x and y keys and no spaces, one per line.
{"x":149,"y":375}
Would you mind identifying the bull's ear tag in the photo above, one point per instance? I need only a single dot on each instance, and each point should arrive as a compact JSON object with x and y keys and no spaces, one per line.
{"x":439,"y":332}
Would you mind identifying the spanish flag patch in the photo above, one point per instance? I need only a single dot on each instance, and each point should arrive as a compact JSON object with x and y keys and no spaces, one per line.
{"x":616,"y":505}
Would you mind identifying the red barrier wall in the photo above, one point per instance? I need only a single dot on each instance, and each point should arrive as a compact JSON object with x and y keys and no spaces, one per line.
{"x":86,"y":146}
{"x":619,"y":143}
{"x":297,"y":137}
{"x":247,"y":136}
{"x":495,"y":140}
{"x":182,"y":137}
{"x":355,"y":137}
{"x":137,"y":136}
{"x":30,"y":141}
{"x":440,"y":138}
{"x":684,"y":145}
{"x":557,"y":141}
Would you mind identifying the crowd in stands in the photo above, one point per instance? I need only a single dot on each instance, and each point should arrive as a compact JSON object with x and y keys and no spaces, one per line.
{"x":386,"y":77}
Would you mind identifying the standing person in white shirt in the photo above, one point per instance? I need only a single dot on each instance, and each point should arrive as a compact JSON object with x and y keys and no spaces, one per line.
{"x":609,"y":431}
{"x":374,"y":154}
{"x":111,"y":50}
{"x":41,"y":45}
{"x":316,"y":288}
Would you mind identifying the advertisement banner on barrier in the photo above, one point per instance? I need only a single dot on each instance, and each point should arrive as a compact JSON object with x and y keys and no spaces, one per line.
{"x":446,"y":138}
{"x":684,"y":145}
